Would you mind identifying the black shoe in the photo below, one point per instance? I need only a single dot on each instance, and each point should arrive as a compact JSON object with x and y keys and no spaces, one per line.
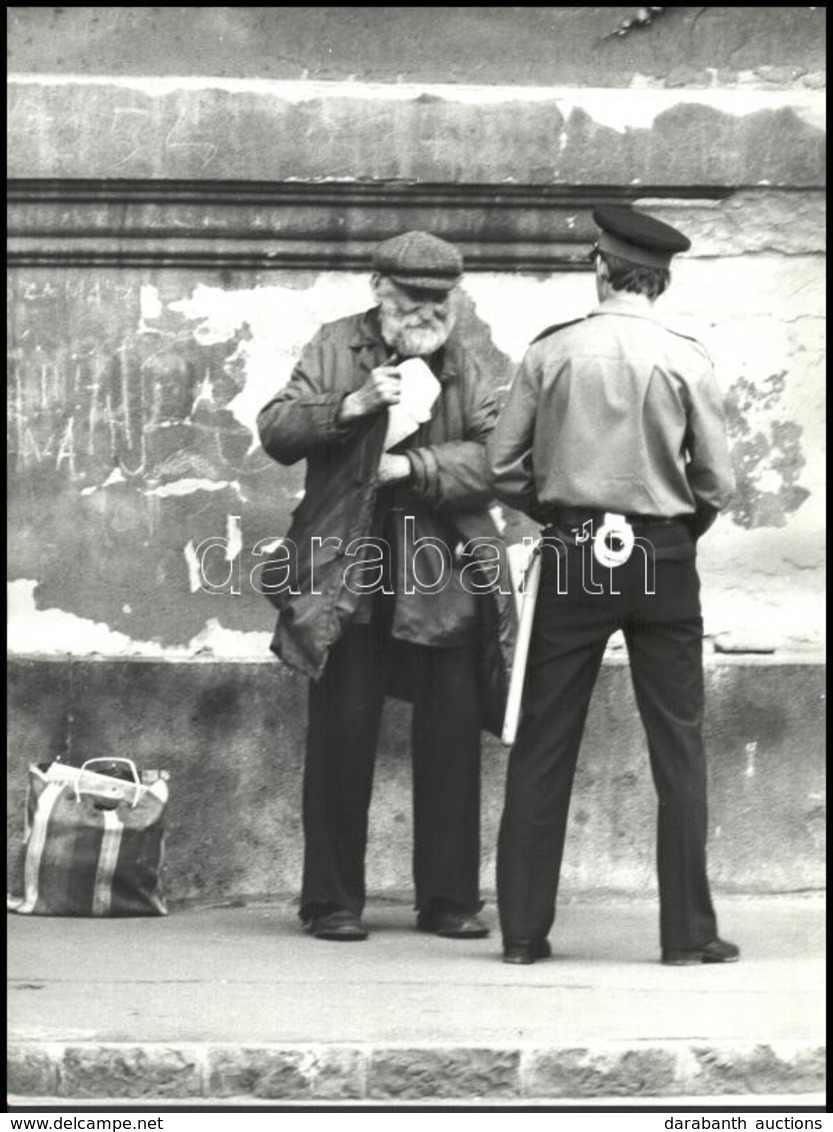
{"x":337,"y":924}
{"x":718,"y":951}
{"x":526,"y":951}
{"x":451,"y":925}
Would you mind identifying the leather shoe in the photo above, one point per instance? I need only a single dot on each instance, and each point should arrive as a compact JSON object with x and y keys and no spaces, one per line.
{"x":451,"y":925}
{"x":526,"y":951}
{"x":718,"y":951}
{"x":338,"y":924}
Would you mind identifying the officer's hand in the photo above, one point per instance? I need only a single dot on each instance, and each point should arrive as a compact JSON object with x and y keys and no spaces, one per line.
{"x":382,"y":388}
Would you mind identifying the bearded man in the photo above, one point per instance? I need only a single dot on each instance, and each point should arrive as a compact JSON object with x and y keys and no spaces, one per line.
{"x":388,"y":592}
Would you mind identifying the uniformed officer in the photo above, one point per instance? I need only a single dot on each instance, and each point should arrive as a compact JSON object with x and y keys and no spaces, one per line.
{"x":613,"y":438}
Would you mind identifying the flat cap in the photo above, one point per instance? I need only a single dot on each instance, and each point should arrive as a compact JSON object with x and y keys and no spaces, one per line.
{"x":418,"y":259}
{"x":637,"y":237}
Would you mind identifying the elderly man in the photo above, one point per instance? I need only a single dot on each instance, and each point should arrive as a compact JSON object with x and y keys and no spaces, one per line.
{"x":613,"y":438}
{"x":385,"y":595}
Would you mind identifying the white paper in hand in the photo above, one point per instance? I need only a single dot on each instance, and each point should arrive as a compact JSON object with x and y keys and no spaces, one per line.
{"x":420,"y":389}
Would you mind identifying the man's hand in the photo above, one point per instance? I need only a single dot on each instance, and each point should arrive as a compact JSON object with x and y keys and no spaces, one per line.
{"x":382,"y":388}
{"x":393,"y":469}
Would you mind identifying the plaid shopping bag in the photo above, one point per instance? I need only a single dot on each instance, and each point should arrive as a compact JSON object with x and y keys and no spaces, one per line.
{"x":93,"y":843}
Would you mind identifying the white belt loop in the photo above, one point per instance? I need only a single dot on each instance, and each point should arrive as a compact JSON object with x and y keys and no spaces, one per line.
{"x":618,"y":530}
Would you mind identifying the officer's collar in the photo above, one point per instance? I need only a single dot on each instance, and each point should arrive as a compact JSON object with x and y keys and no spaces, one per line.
{"x":624,"y":302}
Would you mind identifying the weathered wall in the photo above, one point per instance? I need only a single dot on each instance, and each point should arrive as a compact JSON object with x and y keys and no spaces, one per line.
{"x":682,"y":47}
{"x":193,"y":191}
{"x":132,"y":411}
{"x":152,"y":315}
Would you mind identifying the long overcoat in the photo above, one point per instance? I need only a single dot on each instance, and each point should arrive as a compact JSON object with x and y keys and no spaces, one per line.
{"x":449,"y":493}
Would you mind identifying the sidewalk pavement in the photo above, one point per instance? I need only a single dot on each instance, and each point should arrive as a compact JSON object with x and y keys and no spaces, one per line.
{"x":234,"y":1004}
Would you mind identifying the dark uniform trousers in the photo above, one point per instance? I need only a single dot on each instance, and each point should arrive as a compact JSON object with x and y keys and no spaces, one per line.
{"x":345,"y":708}
{"x":663,"y":631}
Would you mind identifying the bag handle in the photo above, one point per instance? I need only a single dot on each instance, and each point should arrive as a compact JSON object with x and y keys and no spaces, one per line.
{"x":108,"y":759}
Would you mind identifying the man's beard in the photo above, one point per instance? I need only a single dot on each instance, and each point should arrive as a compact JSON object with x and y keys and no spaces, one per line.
{"x":412,"y":335}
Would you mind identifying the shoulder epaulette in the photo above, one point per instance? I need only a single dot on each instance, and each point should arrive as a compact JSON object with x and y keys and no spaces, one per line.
{"x":552,"y":329}
{"x":683,"y":332}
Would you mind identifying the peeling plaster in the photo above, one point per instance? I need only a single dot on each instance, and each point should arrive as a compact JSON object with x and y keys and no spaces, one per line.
{"x":234,"y":537}
{"x":194,"y":556}
{"x":767,"y":454}
{"x":150,"y":305}
{"x":786,"y":622}
{"x":204,"y":394}
{"x":270,"y":547}
{"x":193,"y":564}
{"x":232,"y":644}
{"x":634,"y":108}
{"x":54,"y":632}
{"x":754,"y":314}
{"x":762,"y":79}
{"x":281,"y":320}
{"x":185,"y":486}
{"x":188,"y":486}
{"x":116,"y":476}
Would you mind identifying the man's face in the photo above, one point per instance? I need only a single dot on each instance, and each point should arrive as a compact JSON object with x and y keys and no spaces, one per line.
{"x":415,"y":322}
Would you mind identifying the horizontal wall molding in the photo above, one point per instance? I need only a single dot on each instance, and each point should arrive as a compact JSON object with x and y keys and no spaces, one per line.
{"x":332,"y":225}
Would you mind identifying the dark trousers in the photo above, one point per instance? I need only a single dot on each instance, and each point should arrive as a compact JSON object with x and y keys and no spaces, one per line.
{"x":345,"y":708}
{"x":663,"y":632}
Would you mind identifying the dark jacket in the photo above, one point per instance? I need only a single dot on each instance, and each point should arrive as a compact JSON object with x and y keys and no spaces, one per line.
{"x":447,"y":496}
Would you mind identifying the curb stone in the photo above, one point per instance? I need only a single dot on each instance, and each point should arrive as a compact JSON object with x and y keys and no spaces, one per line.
{"x":312,"y":1072}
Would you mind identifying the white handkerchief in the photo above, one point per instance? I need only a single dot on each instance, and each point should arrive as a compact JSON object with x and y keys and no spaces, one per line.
{"x":420,"y":389}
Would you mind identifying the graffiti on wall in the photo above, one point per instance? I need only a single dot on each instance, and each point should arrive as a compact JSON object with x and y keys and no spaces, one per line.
{"x":132,"y":439}
{"x":149,"y":401}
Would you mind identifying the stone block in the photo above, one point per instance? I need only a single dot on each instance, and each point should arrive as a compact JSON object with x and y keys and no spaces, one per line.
{"x":404,"y":1074}
{"x":776,"y":1068}
{"x":599,"y":1071}
{"x":98,"y":1070}
{"x":340,"y":1074}
{"x":272,"y":1074}
{"x":32,"y":1070}
{"x":258,"y":1073}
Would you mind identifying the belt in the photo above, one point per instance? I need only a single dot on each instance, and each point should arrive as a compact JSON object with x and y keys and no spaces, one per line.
{"x":578,"y":516}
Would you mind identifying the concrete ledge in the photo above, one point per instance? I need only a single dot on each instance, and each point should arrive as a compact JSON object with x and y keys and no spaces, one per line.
{"x":403,"y":1073}
{"x":231,"y":734}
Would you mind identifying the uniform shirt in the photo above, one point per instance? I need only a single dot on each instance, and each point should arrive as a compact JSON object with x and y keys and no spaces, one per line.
{"x":617,"y":412}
